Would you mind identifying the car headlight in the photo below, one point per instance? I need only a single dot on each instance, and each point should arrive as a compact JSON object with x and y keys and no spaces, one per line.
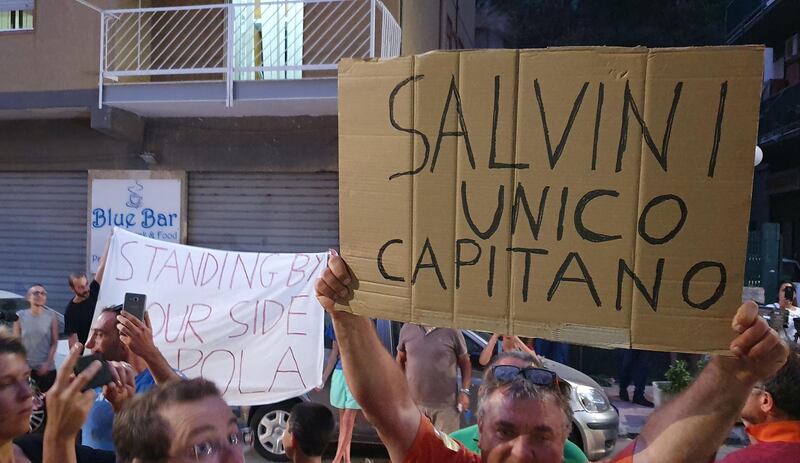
{"x":592,"y":399}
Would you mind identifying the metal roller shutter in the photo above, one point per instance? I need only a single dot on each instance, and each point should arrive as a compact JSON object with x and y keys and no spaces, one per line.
{"x":266,"y":212}
{"x":42,"y":231}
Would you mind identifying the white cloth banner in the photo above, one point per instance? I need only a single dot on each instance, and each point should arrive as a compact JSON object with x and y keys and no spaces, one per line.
{"x":247,"y":321}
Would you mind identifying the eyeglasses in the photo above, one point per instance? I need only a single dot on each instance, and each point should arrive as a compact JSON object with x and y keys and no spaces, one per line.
{"x":39,"y":293}
{"x":208,"y":450}
{"x":538,"y":376}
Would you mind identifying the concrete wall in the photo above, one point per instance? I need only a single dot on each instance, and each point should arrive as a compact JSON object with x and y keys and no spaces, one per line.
{"x":62,"y":51}
{"x":421,"y":24}
{"x":424,"y":24}
{"x":263,"y":144}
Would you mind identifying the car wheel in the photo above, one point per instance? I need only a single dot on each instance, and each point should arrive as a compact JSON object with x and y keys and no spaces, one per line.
{"x":575,"y":437}
{"x":269,"y":423}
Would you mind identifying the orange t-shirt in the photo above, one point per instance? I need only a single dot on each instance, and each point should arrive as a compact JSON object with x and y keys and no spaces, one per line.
{"x":434,"y":446}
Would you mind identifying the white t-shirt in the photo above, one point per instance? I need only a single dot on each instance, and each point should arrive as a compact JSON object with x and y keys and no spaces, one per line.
{"x":792,"y":312}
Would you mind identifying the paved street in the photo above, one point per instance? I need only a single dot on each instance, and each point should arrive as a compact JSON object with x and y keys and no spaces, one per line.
{"x":632,"y":419}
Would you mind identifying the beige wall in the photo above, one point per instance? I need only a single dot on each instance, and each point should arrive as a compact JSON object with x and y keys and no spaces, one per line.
{"x":62,"y":51}
{"x":424,"y":24}
{"x":420,"y":24}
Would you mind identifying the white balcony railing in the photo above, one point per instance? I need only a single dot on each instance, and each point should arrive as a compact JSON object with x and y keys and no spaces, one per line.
{"x":266,"y":40}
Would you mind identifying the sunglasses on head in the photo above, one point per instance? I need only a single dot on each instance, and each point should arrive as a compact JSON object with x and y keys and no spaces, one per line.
{"x":537,"y":376}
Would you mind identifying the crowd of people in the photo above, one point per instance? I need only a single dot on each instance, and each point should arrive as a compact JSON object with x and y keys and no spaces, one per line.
{"x":147,"y":412}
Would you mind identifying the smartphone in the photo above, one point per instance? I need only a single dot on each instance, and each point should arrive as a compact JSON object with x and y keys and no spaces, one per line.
{"x":101,"y":378}
{"x":134,"y":304}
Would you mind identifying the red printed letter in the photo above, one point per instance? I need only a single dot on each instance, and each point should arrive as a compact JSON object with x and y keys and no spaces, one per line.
{"x":122,"y":254}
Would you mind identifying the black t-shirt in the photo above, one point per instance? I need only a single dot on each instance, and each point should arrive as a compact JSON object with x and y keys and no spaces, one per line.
{"x":78,"y":317}
{"x":32,"y":446}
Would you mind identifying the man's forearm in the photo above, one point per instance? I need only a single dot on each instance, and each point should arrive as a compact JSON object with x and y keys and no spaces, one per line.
{"x":466,"y":374}
{"x":693,"y":426}
{"x":373,"y":376}
{"x":160,"y":368}
{"x":377,"y":383}
{"x":101,"y":269}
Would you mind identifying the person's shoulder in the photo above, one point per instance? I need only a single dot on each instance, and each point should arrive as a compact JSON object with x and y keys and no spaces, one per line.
{"x":749,"y":454}
{"x":144,"y":381}
{"x":625,"y":456}
{"x":434,"y":446}
{"x":763,"y":451}
{"x":407,"y":329}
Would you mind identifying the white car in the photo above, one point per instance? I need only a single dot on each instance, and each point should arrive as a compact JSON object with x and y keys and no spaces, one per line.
{"x":594,"y":430}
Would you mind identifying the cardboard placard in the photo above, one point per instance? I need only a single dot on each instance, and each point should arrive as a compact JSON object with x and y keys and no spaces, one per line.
{"x":591,"y":195}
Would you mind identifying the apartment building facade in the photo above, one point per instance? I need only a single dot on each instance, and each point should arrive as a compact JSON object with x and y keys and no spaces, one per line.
{"x":234,"y":102}
{"x":774,"y":23}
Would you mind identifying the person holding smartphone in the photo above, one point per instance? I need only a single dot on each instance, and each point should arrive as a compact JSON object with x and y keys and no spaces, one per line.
{"x":787,"y":300}
{"x":117,"y":335}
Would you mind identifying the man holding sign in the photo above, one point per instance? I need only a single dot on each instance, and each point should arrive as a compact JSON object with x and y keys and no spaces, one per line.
{"x":521,"y":415}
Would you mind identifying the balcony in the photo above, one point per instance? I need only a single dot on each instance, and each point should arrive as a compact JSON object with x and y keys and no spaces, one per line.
{"x":740,"y":12}
{"x":275,"y":57}
{"x":780,"y":116}
{"x":767,"y":22}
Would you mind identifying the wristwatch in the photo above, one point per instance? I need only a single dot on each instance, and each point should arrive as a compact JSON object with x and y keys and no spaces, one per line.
{"x":464,"y":390}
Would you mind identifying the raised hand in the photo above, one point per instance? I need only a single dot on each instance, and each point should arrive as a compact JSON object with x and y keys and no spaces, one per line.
{"x":67,"y":406}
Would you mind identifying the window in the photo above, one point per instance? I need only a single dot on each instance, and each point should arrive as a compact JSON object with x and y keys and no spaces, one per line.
{"x":16,"y":15}
{"x":268,"y":35}
{"x":790,"y":49}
